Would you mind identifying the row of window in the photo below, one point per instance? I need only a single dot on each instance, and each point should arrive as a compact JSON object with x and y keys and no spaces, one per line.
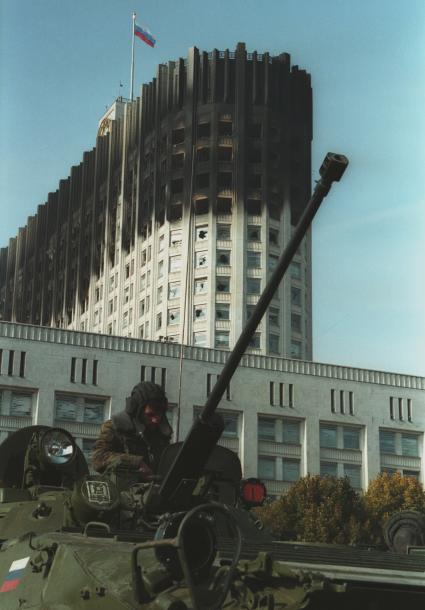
{"x":84,"y":371}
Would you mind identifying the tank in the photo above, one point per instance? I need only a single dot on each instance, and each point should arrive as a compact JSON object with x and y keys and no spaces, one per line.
{"x":185,"y":540}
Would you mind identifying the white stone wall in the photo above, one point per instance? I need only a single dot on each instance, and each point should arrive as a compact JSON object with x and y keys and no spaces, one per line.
{"x":91,"y":368}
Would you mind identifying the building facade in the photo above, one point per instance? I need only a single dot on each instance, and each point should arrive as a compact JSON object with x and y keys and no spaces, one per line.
{"x":169,"y":227}
{"x":284,"y":417}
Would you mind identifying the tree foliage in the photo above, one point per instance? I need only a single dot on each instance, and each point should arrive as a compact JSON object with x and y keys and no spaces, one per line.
{"x":389,"y":494}
{"x":316,"y":509}
{"x":327,"y":509}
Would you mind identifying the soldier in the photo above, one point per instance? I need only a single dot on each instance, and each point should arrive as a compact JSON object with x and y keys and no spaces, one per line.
{"x":137,"y":436}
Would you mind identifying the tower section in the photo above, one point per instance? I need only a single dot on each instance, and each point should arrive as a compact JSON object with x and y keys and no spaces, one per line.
{"x":170,"y":226}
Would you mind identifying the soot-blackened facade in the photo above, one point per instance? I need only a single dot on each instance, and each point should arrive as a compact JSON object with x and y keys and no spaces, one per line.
{"x":169,"y":227}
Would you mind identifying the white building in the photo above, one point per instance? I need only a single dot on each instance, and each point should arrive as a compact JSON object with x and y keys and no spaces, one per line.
{"x":285,"y":418}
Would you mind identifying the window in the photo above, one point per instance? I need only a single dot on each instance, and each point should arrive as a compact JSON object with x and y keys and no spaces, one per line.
{"x":201,"y":285}
{"x":225,"y":153}
{"x":200,"y":313}
{"x":173,"y":316}
{"x":161,"y":269}
{"x":386,"y":441}
{"x":223,"y":258}
{"x":253,"y":207}
{"x":161,"y":243}
{"x":266,"y":468}
{"x":224,"y":205}
{"x":203,"y":154}
{"x":222,"y":311}
{"x":253,"y":259}
{"x":254,"y":130}
{"x":125,"y":319}
{"x":222,"y":339}
{"x":159,"y":295}
{"x":225,"y":128}
{"x":142,"y":308}
{"x":20,"y":405}
{"x":175,"y":237}
{"x":296,"y":322}
{"x":295,"y":296}
{"x":230,"y":424}
{"x":201,"y":259}
{"x":328,"y":469}
{"x":273,"y":237}
{"x":253,"y":285}
{"x":353,"y":473}
{"x":204,"y":130}
{"x":291,"y":432}
{"x":409,"y":445}
{"x":328,"y":436}
{"x":295,"y":349}
{"x":93,"y":411}
{"x":224,"y":180}
{"x":158,"y":320}
{"x":266,"y":429}
{"x":177,"y":161}
{"x":66,"y":408}
{"x":295,"y":270}
{"x":223,"y":284}
{"x":177,"y":136}
{"x":274,"y":316}
{"x":142,"y":282}
{"x":201,"y":233}
{"x":175,"y":264}
{"x":255,"y":341}
{"x":274,"y":344}
{"x":253,"y":233}
{"x":273,"y":261}
{"x":126,"y":294}
{"x":200,"y":339}
{"x":223,"y":232}
{"x":203,"y":180}
{"x":290,"y":470}
{"x":174,"y":290}
{"x":351,"y":438}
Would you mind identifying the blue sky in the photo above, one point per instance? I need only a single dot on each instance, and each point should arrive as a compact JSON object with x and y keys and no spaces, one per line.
{"x":61,"y":64}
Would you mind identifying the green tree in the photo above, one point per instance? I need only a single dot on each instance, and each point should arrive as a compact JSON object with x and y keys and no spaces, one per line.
{"x":389,"y":494}
{"x":317,"y":509}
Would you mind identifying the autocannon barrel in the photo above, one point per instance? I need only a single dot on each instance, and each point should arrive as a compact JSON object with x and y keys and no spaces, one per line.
{"x":207,"y":429}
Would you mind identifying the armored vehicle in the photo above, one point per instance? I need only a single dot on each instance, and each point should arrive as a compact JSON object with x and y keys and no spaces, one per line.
{"x":71,"y":540}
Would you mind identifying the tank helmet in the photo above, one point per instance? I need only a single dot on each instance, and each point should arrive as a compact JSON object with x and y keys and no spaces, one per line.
{"x":145,"y":393}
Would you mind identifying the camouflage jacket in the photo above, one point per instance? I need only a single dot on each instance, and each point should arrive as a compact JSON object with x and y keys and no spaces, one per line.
{"x":123,"y":441}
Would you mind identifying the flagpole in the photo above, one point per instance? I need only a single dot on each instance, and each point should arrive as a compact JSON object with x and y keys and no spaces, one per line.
{"x":132,"y":57}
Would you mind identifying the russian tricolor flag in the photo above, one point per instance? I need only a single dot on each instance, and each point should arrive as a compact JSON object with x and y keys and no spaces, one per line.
{"x":144,"y":35}
{"x":14,"y":577}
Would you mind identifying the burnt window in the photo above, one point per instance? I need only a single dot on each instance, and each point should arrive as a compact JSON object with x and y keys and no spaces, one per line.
{"x":254,"y":155}
{"x":225,"y":128}
{"x":203,"y":180}
{"x":255,"y":181}
{"x":177,"y":186}
{"x":203,"y":154}
{"x":225,"y":180}
{"x":177,"y":161}
{"x":223,"y":257}
{"x":274,"y":211}
{"x":201,"y":206}
{"x":178,"y":136}
{"x":253,"y":207}
{"x":204,"y":130}
{"x":254,"y":130}
{"x":175,"y":212}
{"x":225,"y":153}
{"x":224,"y":205}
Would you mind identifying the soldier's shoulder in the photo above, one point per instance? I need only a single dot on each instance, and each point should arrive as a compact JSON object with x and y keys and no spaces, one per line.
{"x":107,"y":426}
